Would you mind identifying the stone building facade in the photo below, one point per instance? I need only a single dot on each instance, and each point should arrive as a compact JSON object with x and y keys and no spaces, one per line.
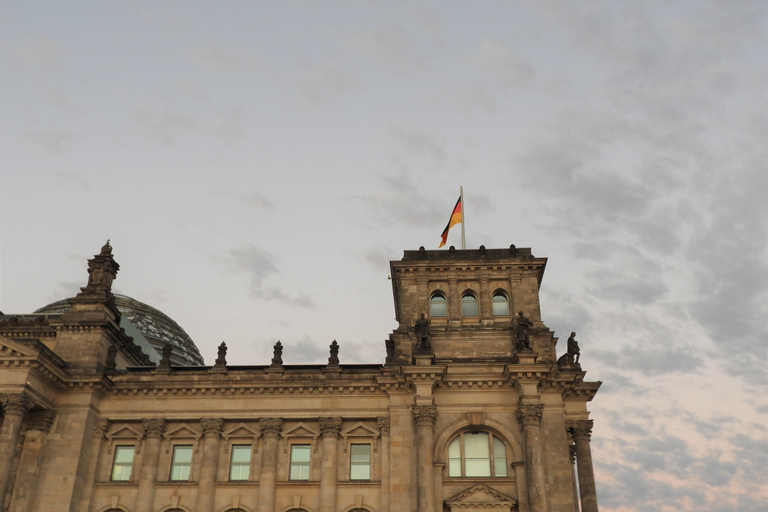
{"x":471,"y":410}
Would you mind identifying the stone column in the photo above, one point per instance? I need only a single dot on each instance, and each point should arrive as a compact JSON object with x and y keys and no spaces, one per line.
{"x":385,"y":469}
{"x":270,"y":429}
{"x":329,"y":428}
{"x":425,"y":416}
{"x":530,"y":417}
{"x":581,"y":430}
{"x":486,"y":311}
{"x":31,"y":458}
{"x":15,"y":407}
{"x":100,"y":458}
{"x":572,"y":458}
{"x":454,"y":301}
{"x":153,"y":431}
{"x":206,"y":489}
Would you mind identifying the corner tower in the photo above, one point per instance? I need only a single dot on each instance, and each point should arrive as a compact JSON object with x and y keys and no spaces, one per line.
{"x":474,"y":302}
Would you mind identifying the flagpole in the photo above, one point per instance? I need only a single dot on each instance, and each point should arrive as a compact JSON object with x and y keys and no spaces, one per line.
{"x":461,"y":194}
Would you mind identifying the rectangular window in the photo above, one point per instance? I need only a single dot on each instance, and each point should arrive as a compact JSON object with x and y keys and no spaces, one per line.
{"x":300,"y":462}
{"x":360,"y":462}
{"x":477,"y":454}
{"x":121,"y":469}
{"x":181,"y":466}
{"x":240,"y":466}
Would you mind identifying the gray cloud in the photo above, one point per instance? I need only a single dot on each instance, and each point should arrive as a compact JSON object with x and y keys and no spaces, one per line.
{"x":652,"y":360}
{"x":503,"y":64}
{"x":260,"y":265}
{"x":217,"y":58}
{"x":253,"y":199}
{"x":50,"y":142}
{"x":324,"y":83}
{"x":416,"y":142}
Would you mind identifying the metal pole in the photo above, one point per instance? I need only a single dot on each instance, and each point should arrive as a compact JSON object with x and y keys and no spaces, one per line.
{"x":461,"y":194}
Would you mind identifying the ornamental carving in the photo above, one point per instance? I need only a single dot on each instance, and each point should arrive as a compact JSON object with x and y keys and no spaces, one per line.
{"x":100,"y":427}
{"x":383,"y":425}
{"x":212,"y":426}
{"x":154,"y":428}
{"x":41,"y":420}
{"x":16,"y":403}
{"x":424,"y":415}
{"x":102,"y":270}
{"x":271,"y":426}
{"x":530,"y":415}
{"x":330,"y":426}
{"x":580,"y":429}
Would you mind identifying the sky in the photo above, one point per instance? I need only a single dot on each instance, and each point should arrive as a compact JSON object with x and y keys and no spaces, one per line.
{"x":256,"y":165}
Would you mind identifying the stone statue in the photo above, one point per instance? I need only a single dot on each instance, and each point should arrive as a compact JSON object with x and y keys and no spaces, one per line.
{"x":422,"y":334}
{"x":389,"y":343}
{"x":523,"y":332}
{"x":573,"y":350}
{"x":334,"y":359}
{"x":277,"y":358}
{"x":221,"y":359}
{"x":165,"y":359}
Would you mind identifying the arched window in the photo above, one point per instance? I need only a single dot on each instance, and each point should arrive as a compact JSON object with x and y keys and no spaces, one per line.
{"x":500,"y":304}
{"x":437,"y":305}
{"x":477,"y":454}
{"x":468,"y":304}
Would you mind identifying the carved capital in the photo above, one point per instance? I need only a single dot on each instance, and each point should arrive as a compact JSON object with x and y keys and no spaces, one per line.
{"x":212,"y":426}
{"x":271,"y":426}
{"x":330,"y":426}
{"x":153,"y":428}
{"x":383,"y":425}
{"x":41,"y":420}
{"x":530,"y":415}
{"x":580,"y":430}
{"x":16,"y":404}
{"x":424,"y":415}
{"x":100,"y":427}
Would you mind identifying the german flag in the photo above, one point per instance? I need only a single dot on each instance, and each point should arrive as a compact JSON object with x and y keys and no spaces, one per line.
{"x":456,"y":218}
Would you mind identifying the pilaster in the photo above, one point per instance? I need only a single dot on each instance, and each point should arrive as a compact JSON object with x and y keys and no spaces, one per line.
{"x":212,"y":436}
{"x":529,"y":417}
{"x":270,"y":429}
{"x":153,"y":431}
{"x":581,"y":431}
{"x":329,"y":428}
{"x":425,"y":416}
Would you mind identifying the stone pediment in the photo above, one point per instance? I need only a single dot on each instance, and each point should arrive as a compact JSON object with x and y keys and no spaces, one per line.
{"x":480,"y":498}
{"x":359,"y":429}
{"x":301,"y":430}
{"x":12,"y":349}
{"x":241,"y":430}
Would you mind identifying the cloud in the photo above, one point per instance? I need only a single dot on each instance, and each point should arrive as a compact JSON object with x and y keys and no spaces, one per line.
{"x":260,"y":265}
{"x":392,"y":47}
{"x":221,"y":59}
{"x":324,"y":83}
{"x":418,"y":142}
{"x":37,"y":53}
{"x":652,"y":360}
{"x":253,"y":199}
{"x":50,"y":142}
{"x":501,"y":62}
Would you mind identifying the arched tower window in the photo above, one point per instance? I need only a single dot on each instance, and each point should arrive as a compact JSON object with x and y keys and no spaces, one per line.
{"x":477,"y":454}
{"x":500,"y":304}
{"x":437,"y":305}
{"x":469,"y":304}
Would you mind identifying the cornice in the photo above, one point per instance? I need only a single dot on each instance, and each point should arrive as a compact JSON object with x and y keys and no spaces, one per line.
{"x":152,"y":388}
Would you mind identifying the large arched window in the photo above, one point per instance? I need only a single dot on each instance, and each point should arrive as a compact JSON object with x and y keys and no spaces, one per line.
{"x":477,"y":454}
{"x":500,"y":304}
{"x":437,"y":305}
{"x":469,"y":304}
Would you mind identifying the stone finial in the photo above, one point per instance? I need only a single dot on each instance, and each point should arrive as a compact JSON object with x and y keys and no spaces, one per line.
{"x":212,"y":426}
{"x":154,"y":427}
{"x":102,"y":270}
{"x":165,"y":359}
{"x":221,"y":358}
{"x":425,"y":415}
{"x":271,"y":426}
{"x":333,"y":361}
{"x":277,"y":356}
{"x":16,"y":403}
{"x":530,"y":415}
{"x":330,"y":426}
